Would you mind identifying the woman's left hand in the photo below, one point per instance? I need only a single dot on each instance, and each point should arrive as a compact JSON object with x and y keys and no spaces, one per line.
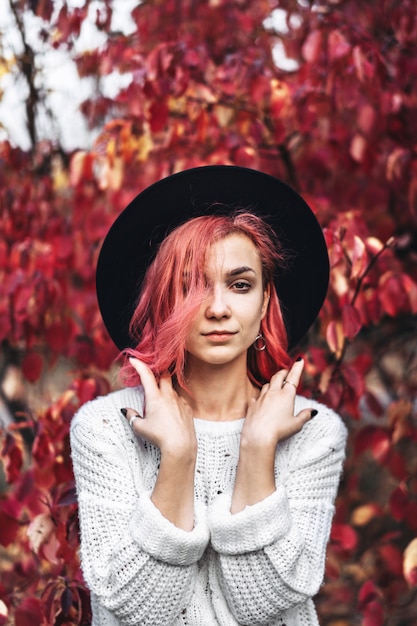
{"x":270,"y":418}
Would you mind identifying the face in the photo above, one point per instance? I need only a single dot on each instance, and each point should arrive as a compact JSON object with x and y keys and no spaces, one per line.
{"x":230,"y":317}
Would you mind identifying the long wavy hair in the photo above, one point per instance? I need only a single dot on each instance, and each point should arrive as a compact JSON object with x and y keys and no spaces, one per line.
{"x":174,"y":289}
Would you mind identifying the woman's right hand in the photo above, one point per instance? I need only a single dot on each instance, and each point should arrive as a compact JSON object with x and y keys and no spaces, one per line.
{"x":168,"y":424}
{"x":167,"y":421}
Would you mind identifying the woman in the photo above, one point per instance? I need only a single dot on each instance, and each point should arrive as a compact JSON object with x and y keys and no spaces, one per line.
{"x":206,"y":491}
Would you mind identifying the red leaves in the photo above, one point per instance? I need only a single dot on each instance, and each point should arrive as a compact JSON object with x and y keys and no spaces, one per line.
{"x":9,"y":521}
{"x":30,"y":613}
{"x":343,"y":537}
{"x":374,"y":439}
{"x":32,"y":366}
{"x":370,"y":604}
{"x":158,"y":116}
{"x":42,"y":537}
{"x":397,"y":293}
{"x":43,"y":8}
{"x":66,"y":602}
{"x":351,"y":321}
{"x":12,"y":456}
{"x":343,"y":130}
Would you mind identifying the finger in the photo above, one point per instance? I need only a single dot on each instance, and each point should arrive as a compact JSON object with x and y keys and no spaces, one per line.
{"x":296,"y":370}
{"x":147,"y":377}
{"x":305,"y":416}
{"x":278,"y":379}
{"x":132,"y":417}
{"x":264,"y":390}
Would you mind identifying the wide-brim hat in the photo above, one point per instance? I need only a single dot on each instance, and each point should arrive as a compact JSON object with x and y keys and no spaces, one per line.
{"x":133,"y":239}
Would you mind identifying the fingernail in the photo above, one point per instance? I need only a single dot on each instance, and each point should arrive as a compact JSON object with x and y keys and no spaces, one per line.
{"x":313,"y":413}
{"x":123,"y":412}
{"x":299,"y":358}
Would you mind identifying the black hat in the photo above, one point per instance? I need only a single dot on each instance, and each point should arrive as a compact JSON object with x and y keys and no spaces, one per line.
{"x":133,"y":239}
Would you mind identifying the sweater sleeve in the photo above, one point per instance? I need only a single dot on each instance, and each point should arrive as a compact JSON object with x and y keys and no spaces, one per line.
{"x":271,"y":555}
{"x":140,"y":566}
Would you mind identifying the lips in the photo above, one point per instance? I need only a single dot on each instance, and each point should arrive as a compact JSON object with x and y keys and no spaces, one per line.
{"x":218,"y":336}
{"x":219,"y":332}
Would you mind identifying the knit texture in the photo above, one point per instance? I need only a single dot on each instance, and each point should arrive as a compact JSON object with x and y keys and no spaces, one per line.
{"x":262,"y":565}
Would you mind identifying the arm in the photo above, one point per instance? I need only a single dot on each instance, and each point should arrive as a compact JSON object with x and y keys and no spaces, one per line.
{"x":271,"y":555}
{"x":167,"y":423}
{"x":271,"y":547}
{"x":138,"y":563}
{"x":265,"y":427}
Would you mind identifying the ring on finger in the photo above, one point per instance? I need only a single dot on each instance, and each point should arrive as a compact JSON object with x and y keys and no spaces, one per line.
{"x":133,"y":418}
{"x":289,"y":382}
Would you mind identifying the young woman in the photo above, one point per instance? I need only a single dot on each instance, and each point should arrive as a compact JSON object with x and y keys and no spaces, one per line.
{"x":206,"y":485}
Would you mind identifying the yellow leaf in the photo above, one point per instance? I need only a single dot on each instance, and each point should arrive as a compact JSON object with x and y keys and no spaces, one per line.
{"x":410,"y":563}
{"x":145,"y":146}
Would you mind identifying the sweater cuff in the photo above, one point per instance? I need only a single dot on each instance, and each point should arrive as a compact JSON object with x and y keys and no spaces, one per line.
{"x":252,"y":529}
{"x":164,"y":541}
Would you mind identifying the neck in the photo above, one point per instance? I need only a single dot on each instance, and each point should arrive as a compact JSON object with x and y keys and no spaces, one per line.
{"x":219,"y":393}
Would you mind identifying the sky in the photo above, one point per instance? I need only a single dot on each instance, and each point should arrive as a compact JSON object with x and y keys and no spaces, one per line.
{"x":58,"y":75}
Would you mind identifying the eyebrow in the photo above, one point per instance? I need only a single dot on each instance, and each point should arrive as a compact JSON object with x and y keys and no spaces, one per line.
{"x":240,"y":270}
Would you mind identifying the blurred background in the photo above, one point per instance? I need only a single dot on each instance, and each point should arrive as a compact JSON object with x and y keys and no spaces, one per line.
{"x":98,"y":99}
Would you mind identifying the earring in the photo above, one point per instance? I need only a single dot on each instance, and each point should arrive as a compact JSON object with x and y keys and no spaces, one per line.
{"x":259,"y":344}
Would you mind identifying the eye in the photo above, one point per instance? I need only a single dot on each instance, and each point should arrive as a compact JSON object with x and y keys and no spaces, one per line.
{"x":241,"y":286}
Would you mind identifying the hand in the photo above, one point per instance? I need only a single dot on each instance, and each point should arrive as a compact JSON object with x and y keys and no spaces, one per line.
{"x":167,"y":421}
{"x":270,"y":418}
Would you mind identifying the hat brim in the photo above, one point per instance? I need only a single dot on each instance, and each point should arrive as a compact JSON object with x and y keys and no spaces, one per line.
{"x":133,"y":239}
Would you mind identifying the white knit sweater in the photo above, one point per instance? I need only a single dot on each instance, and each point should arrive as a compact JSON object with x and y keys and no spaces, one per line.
{"x":260,"y":566}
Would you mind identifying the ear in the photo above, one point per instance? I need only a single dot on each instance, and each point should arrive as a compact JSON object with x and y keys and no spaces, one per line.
{"x":265,"y":303}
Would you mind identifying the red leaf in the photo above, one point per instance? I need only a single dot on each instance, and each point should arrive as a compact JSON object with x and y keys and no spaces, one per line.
{"x":397,"y":465}
{"x":410,"y":288}
{"x":57,"y":336}
{"x":392,"y":296}
{"x":373,"y":404}
{"x":368,"y":592}
{"x":351,"y":321}
{"x":359,"y":257}
{"x":159,"y":112}
{"x":411,"y":516}
{"x":392,"y":558}
{"x":344,"y":536}
{"x":86,"y":389}
{"x":12,"y":455}
{"x":9,"y":523}
{"x":29,"y":613}
{"x":374,"y":439}
{"x":44,"y":9}
{"x":32,"y":366}
{"x":43,"y":451}
{"x":40,"y":531}
{"x":373,"y":614}
{"x":354,"y":379}
{"x":311,"y":47}
{"x":338,"y":46}
{"x":398,"y":502}
{"x":335,"y":337}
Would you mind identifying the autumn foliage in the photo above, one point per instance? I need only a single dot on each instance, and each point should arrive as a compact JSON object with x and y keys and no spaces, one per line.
{"x":205,"y":87}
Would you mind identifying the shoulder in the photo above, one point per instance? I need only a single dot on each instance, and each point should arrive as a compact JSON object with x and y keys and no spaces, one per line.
{"x":105,"y":410}
{"x":325,"y":429}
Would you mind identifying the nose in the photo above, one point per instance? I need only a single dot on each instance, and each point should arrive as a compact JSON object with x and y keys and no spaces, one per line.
{"x":217,"y":306}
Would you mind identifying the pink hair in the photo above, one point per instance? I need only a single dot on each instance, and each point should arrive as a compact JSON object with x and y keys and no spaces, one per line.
{"x":173,"y":290}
